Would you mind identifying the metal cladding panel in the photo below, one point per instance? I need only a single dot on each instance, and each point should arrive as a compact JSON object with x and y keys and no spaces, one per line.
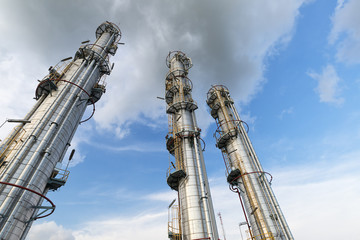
{"x":53,"y":123}
{"x":192,"y":194}
{"x":263,"y":212}
{"x":256,"y":193}
{"x":197,"y":214}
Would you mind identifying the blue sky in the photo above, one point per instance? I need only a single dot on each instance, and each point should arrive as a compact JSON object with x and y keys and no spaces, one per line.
{"x":291,"y":66}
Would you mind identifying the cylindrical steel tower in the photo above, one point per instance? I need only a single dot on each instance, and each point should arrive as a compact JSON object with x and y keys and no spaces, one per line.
{"x":187,"y":175}
{"x":29,"y":156}
{"x":245,"y":173}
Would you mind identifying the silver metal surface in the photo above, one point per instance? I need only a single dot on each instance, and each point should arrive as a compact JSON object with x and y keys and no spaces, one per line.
{"x":31,"y":152}
{"x":244,"y":169}
{"x":189,"y":175}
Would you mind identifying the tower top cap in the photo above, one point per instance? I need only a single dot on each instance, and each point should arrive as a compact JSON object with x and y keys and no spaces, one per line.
{"x":180,"y":56}
{"x":108,"y":27}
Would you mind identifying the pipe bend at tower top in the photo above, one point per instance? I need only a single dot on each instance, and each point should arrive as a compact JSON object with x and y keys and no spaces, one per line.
{"x":32,"y":151}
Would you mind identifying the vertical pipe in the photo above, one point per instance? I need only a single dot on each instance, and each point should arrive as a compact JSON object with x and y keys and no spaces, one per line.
{"x":189,"y":177}
{"x":246,"y":173}
{"x":54,"y":120}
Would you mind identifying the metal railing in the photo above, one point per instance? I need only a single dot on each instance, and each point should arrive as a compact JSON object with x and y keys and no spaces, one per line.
{"x":179,"y":158}
{"x":228,"y":129}
{"x":60,"y":174}
{"x":174,"y":228}
{"x":229,"y":165}
{"x":215,"y":88}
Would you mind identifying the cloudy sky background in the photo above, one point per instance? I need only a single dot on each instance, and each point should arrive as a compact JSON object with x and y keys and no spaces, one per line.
{"x":291,"y":65}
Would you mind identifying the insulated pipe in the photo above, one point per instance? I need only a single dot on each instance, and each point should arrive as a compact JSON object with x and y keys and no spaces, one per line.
{"x":34,"y":161}
{"x":207,"y":199}
{"x":35,"y":132}
{"x":64,"y":117}
{"x":197,"y":214}
{"x":60,"y":119}
{"x":28,"y":226}
{"x":268,"y":189}
{"x":20,"y":178}
{"x":266,"y":218}
{"x":203,"y":196}
{"x":42,"y":166}
{"x":62,"y":126}
{"x":31,"y":163}
{"x":260,"y":225}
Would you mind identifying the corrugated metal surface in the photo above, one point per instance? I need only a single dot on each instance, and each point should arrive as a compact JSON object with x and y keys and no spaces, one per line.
{"x":244,"y":169}
{"x":196,"y":209}
{"x":31,"y":159}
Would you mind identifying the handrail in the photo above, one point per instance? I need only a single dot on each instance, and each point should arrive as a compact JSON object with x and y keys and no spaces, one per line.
{"x":173,"y":222}
{"x":215,"y":87}
{"x":171,"y":80}
{"x":37,"y":193}
{"x":63,"y":173}
{"x":219,"y":132}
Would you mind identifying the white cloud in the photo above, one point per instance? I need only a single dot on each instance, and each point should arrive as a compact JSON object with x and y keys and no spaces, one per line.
{"x":18,"y":80}
{"x":346,"y":31}
{"x":228,"y":42}
{"x":328,"y":85}
{"x":143,"y":226}
{"x":50,"y":231}
{"x":166,"y":196}
{"x":311,"y":198}
{"x":322,"y":191}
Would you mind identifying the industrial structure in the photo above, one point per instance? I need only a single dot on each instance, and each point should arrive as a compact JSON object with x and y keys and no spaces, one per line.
{"x":244,"y":171}
{"x":30,"y":156}
{"x":193,"y":216}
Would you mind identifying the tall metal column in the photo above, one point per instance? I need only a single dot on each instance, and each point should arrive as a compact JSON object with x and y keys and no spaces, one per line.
{"x":29,"y":156}
{"x":188,"y":174}
{"x":245,"y":173}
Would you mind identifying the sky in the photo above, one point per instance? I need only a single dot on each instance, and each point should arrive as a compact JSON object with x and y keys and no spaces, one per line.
{"x":290,"y":65}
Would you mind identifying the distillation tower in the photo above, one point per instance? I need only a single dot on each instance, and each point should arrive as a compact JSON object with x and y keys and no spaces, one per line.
{"x":30,"y":156}
{"x":244,"y":171}
{"x":196,"y":218}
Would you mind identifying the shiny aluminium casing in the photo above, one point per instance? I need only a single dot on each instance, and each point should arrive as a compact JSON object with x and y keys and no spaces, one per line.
{"x":244,"y":171}
{"x":188,"y":174}
{"x":30,"y":155}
